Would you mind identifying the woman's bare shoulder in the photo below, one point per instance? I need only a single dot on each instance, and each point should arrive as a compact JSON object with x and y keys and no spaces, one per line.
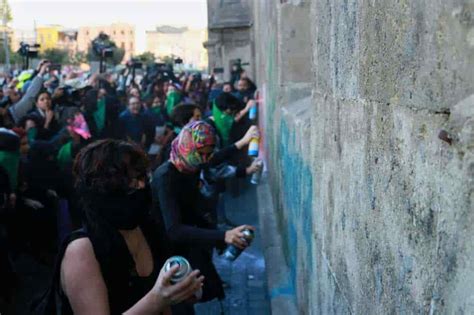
{"x":79,"y":261}
{"x":81,"y":279}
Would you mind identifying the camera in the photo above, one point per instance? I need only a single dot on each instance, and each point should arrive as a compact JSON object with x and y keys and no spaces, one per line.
{"x":135,"y":64}
{"x":27,"y":50}
{"x":161,"y":71}
{"x":197,"y":77}
{"x":102,"y":46}
{"x":237,"y":66}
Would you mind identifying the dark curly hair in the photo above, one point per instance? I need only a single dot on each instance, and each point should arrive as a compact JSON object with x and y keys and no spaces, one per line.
{"x":227,"y":101}
{"x":43,"y":91}
{"x":109,"y":166}
{"x":89,"y":100}
{"x":183,"y":113}
{"x":103,"y":168}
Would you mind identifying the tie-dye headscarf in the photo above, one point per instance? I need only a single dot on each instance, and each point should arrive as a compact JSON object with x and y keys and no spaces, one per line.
{"x":79,"y":125}
{"x":184,"y":149}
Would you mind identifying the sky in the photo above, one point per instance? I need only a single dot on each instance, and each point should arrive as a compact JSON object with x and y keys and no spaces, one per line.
{"x":144,"y":14}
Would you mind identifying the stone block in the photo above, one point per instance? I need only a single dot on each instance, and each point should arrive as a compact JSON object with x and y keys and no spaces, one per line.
{"x":461,"y":121}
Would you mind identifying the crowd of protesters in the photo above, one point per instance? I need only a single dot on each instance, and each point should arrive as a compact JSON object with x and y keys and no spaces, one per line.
{"x":104,"y":176}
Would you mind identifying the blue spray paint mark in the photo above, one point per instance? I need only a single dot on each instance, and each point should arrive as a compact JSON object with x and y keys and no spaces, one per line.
{"x":297,"y":186}
{"x":282,"y":291}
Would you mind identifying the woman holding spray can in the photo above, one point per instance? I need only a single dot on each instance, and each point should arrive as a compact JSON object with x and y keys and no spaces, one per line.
{"x":231,"y":122}
{"x":179,"y":205}
{"x":112,"y":265}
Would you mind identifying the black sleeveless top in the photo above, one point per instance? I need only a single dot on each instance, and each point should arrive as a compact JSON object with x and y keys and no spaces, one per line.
{"x":124,"y":289}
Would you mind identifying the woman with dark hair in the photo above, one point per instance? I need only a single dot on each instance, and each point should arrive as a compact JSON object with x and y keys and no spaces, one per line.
{"x":225,"y":109}
{"x":179,"y":204}
{"x":156,"y":112}
{"x":155,"y":89}
{"x":185,"y":113}
{"x":25,"y":104}
{"x":112,"y":265}
{"x":49,"y":126}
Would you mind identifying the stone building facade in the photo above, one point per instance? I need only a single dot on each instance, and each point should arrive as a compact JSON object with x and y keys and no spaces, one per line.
{"x":230,"y":35}
{"x":181,"y":42}
{"x":367,"y":109}
{"x":121,"y":33}
{"x":67,"y":40}
{"x":48,"y":36}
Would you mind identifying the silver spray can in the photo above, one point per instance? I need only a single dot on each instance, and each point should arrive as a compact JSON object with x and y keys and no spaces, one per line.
{"x":182,"y":272}
{"x":232,"y":252}
{"x":255,"y":179}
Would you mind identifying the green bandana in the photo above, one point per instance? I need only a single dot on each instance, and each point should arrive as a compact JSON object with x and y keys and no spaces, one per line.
{"x":10,"y":160}
{"x":172,"y":100}
{"x":65,"y":155}
{"x":31,"y":134}
{"x":156,"y":110}
{"x":224,"y":123}
{"x":99,"y":115}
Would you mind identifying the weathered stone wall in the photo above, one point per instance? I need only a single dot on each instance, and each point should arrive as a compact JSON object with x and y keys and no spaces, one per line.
{"x":369,"y":138}
{"x":230,"y":35}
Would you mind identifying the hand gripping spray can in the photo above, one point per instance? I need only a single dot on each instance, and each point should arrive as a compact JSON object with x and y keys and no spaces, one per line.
{"x":231,"y":252}
{"x":253,"y":112}
{"x":183,"y":271}
{"x":253,"y":146}
{"x":253,"y":151}
{"x":255,"y":180}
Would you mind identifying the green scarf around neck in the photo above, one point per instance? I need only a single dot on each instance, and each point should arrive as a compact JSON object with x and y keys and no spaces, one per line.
{"x":31,"y":135}
{"x":172,"y":100}
{"x":10,"y":160}
{"x":65,"y":155}
{"x":99,"y":115}
{"x":156,"y":110}
{"x":224,"y":123}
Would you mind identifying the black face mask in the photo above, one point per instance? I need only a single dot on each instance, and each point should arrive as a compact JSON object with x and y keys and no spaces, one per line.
{"x":124,"y":211}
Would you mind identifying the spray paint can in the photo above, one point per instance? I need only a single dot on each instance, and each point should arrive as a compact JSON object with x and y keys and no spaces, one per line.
{"x":232,"y":252}
{"x":253,"y":146}
{"x":255,"y":180}
{"x":253,"y":112}
{"x":183,"y":271}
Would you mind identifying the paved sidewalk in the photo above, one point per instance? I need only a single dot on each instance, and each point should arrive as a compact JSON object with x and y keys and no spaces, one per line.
{"x":247,"y":291}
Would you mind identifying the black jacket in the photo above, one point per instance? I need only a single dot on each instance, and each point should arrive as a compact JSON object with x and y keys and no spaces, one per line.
{"x":180,"y":210}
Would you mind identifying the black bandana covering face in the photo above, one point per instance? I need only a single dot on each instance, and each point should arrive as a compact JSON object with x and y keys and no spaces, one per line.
{"x":125,"y":211}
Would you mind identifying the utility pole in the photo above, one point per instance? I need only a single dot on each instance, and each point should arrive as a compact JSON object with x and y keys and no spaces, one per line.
{"x":5,"y":35}
{"x":34,"y":31}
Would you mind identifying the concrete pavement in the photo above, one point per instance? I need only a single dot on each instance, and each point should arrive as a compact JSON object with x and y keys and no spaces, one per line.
{"x":246,"y":276}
